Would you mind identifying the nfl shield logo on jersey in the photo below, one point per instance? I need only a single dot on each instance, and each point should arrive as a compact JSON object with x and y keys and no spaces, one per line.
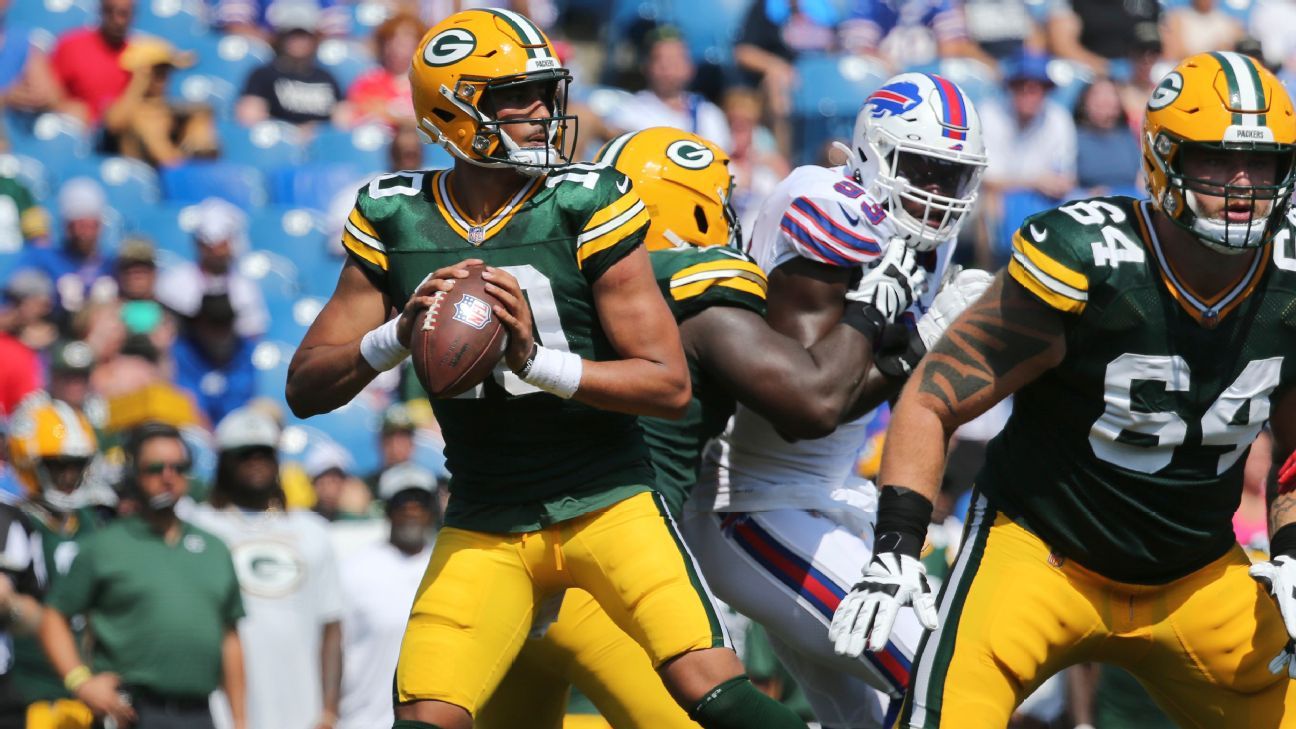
{"x":892,"y":99}
{"x":472,"y":311}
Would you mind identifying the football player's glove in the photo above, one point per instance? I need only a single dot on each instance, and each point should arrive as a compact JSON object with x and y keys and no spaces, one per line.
{"x":867,"y":615}
{"x":961,"y":288}
{"x":894,"y":282}
{"x":1278,"y":575}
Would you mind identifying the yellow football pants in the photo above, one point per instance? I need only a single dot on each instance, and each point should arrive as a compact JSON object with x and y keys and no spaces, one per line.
{"x":586,"y":649}
{"x":60,"y":714}
{"x":1012,"y":614}
{"x":479,"y":597}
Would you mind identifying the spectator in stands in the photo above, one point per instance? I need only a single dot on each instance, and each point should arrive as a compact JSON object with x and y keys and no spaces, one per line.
{"x":382,"y":95}
{"x":1096,"y":32}
{"x":338,"y":494}
{"x":26,"y":79}
{"x":143,"y":124}
{"x":70,"y":364}
{"x":251,"y":18}
{"x":1271,"y":22}
{"x":379,"y":581}
{"x":1145,"y":73}
{"x":27,"y":309}
{"x":1198,"y":27}
{"x":293,"y":87}
{"x":292,"y":643}
{"x":773,"y":34}
{"x":79,"y":268}
{"x":406,"y":149}
{"x":22,"y":373}
{"x":1006,"y":28}
{"x":901,"y":32}
{"x":754,"y":159}
{"x":22,"y":220}
{"x":87,"y":62}
{"x":212,"y":361}
{"x":1107,"y":153}
{"x":136,"y":270}
{"x":395,"y":443}
{"x":163,"y":603}
{"x":668,"y":70}
{"x":220,"y":234}
{"x":1031,"y":143}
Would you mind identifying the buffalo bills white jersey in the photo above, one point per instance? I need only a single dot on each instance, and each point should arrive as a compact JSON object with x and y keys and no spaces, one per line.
{"x":820,"y":214}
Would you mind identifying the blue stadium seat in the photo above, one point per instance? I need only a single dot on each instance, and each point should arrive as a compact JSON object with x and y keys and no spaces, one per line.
{"x":975,"y":78}
{"x":52,"y":17}
{"x":366,"y":16}
{"x":265,"y":145}
{"x":283,"y":230}
{"x":364,"y":147}
{"x":30,"y":172}
{"x":271,"y":358}
{"x":313,"y":185}
{"x":824,"y":105}
{"x":163,"y":224}
{"x":709,"y":27}
{"x":193,"y":181}
{"x":231,"y":57}
{"x":354,"y":427}
{"x":211,"y":89}
{"x":56,"y":140}
{"x":179,"y":21}
{"x":131,"y":186}
{"x":436,"y":158}
{"x":346,"y":60}
{"x":1071,"y":78}
{"x":1017,"y":206}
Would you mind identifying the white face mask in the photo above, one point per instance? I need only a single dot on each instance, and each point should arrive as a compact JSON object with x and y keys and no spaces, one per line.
{"x":1225,"y":237}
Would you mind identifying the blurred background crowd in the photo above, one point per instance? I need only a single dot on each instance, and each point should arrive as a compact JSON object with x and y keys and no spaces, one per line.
{"x":174,"y":176}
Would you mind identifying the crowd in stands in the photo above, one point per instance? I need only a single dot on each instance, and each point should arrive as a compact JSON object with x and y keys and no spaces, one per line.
{"x":174,"y":175}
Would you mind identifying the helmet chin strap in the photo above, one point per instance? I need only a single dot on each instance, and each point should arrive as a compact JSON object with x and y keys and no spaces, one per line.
{"x":1219,"y":235}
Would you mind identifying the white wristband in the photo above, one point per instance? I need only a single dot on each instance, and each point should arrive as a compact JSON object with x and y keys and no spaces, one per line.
{"x":381,"y":348}
{"x":555,"y":372}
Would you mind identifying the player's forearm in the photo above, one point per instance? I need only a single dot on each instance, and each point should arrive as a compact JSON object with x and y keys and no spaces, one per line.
{"x":876,"y":389}
{"x":635,"y":386}
{"x":916,"y":443}
{"x":233,"y":680}
{"x":326,"y":377}
{"x":59,"y":644}
{"x":812,"y":390}
{"x":331,"y":668}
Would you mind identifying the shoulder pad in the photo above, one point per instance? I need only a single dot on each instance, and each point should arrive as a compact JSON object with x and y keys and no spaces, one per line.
{"x":696,"y":278}
{"x":832,"y":220}
{"x":1056,"y":253}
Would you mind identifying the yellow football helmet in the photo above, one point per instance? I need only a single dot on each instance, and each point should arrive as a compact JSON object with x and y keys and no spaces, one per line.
{"x":1219,"y":100}
{"x":50,"y":445}
{"x":467,"y":58}
{"x":684,"y":182}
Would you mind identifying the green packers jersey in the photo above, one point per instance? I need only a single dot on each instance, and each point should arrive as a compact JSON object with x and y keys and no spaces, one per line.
{"x":692,"y":280}
{"x":519,"y":458}
{"x":1127,"y":457}
{"x":21,"y":218}
{"x":33,"y":676}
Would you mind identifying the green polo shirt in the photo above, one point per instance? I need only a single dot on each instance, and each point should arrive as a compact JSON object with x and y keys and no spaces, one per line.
{"x":158,"y":612}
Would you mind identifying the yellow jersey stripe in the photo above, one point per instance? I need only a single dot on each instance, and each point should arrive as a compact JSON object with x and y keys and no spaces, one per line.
{"x":365,"y":252}
{"x":1057,"y":271}
{"x":696,"y":288}
{"x":622,"y":204}
{"x":362,"y":223}
{"x":611,"y":237}
{"x":736,"y":265}
{"x":1058,"y":301}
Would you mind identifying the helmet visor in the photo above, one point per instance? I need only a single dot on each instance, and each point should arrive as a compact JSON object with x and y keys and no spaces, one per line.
{"x":1234,"y":192}
{"x":943,"y":177}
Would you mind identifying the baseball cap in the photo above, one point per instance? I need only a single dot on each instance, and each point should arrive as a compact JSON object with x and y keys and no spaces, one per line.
{"x":247,"y":428}
{"x":216,"y":221}
{"x":146,"y":51}
{"x":324,"y":457}
{"x":136,"y":249}
{"x":397,"y":419}
{"x":27,"y":283}
{"x":405,"y":477}
{"x":72,"y":356}
{"x":1028,"y":66}
{"x":80,"y":198}
{"x":286,"y":16}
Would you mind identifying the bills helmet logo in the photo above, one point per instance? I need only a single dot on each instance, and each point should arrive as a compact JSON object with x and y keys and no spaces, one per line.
{"x":893,"y":99}
{"x":472,"y":311}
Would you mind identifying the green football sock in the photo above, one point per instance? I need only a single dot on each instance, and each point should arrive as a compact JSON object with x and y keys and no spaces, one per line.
{"x":737,"y":704}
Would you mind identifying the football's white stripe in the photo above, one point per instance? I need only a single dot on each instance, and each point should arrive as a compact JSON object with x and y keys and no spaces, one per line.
{"x":925,"y":660}
{"x":721,"y":273}
{"x":610,"y":225}
{"x":365,"y":238}
{"x":1053,"y":284}
{"x":1246,"y":87}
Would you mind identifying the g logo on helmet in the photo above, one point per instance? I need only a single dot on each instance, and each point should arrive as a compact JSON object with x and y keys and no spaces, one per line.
{"x":1166,"y":92}
{"x":690,"y":155}
{"x":449,"y":46}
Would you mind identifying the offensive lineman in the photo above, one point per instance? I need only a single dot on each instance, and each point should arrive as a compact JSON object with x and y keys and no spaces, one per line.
{"x":551,"y":483}
{"x":776,"y":524}
{"x":717,"y":294}
{"x":1147,"y":342}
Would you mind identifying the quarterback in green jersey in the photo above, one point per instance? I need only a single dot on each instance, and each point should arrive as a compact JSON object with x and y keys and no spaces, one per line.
{"x":1147,"y":343}
{"x":717,"y":294}
{"x":551,"y":485}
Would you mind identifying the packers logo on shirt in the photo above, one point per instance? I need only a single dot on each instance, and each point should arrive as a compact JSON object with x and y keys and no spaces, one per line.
{"x":268,"y":569}
{"x":449,"y":47}
{"x":690,"y":155}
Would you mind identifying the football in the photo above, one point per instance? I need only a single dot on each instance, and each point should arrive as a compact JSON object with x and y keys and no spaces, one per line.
{"x":458,"y":340}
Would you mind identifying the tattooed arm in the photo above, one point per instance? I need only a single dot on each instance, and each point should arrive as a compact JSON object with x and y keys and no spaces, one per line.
{"x":1001,"y":343}
{"x":1282,"y":498}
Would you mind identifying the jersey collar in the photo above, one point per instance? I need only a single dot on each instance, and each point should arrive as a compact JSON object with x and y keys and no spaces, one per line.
{"x":477,"y":233}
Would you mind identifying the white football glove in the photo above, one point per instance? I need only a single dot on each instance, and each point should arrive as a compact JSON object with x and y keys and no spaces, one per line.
{"x":867,"y":615}
{"x":1278,"y":576}
{"x":893,"y":283}
{"x":961,"y":288}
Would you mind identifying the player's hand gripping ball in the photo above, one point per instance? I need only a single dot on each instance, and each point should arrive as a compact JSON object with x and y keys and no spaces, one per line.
{"x":458,"y":339}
